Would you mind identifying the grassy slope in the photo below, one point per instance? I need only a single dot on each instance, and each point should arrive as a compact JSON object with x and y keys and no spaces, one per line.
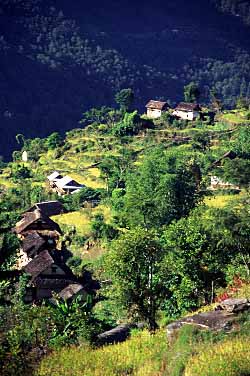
{"x":143,"y":354}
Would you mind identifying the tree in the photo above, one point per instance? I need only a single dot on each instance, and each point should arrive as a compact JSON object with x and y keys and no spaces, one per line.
{"x":215,"y":101}
{"x":201,"y":141}
{"x":96,"y":115}
{"x":128,"y":126}
{"x":20,"y":172}
{"x":125,"y":99}
{"x":134,"y":264}
{"x":191,"y":92}
{"x":198,"y":250}
{"x":114,"y":169}
{"x":243,"y":103}
{"x":53,"y":141}
{"x":237,"y":171}
{"x":242,"y":142}
{"x":162,"y":188}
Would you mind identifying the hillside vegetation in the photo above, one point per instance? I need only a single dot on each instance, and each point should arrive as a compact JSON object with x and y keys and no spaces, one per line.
{"x":58,"y":59}
{"x":150,"y":226}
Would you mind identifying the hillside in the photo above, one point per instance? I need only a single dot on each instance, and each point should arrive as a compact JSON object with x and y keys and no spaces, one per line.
{"x":151,"y":226}
{"x":59,"y":59}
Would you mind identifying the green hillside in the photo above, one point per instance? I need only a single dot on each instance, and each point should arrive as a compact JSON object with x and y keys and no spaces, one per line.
{"x":150,"y":225}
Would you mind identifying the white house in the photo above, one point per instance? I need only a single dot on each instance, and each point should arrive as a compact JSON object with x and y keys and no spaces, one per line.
{"x":156,"y":108}
{"x":68,"y":185}
{"x":187,"y":111}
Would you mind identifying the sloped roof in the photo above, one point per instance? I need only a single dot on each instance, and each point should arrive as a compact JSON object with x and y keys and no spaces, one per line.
{"x":54,"y":176}
{"x":229,"y":154}
{"x":68,"y":182}
{"x":71,"y":290}
{"x":30,"y":218}
{"x":48,"y":208}
{"x":188,"y":107}
{"x":39,"y":264}
{"x":158,"y":105}
{"x":33,"y":243}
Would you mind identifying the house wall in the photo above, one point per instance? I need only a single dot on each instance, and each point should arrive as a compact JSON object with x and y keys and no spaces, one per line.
{"x":153,"y":113}
{"x":190,"y":115}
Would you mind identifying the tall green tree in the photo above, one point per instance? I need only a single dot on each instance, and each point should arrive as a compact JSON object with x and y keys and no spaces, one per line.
{"x":134,"y":263}
{"x":191,"y":92}
{"x":162,"y":188}
{"x":125,"y":99}
{"x":241,"y":143}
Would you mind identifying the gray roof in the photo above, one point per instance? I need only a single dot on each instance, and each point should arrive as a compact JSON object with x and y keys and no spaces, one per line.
{"x":71,"y":290}
{"x":48,"y":208}
{"x":33,"y":243}
{"x":39,"y":264}
{"x":35,"y":220}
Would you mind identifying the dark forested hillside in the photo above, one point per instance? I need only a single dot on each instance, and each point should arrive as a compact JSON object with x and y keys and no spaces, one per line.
{"x":59,"y":58}
{"x":239,"y":8}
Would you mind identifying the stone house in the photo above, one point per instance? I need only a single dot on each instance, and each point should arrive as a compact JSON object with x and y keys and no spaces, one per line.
{"x":156,"y":108}
{"x":187,"y":111}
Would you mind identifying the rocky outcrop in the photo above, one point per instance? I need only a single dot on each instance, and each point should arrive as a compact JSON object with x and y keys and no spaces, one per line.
{"x":234,"y":305}
{"x":222,"y":318}
{"x":119,"y":334}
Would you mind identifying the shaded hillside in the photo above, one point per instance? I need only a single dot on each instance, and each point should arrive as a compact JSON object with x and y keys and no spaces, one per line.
{"x":55,"y":54}
{"x":239,"y":8}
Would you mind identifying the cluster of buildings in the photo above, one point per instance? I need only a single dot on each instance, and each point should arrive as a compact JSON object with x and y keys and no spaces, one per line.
{"x":63,"y":184}
{"x":185,"y":111}
{"x":40,"y":257}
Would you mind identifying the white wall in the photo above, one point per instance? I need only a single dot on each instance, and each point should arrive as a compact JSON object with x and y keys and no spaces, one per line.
{"x":190,"y":115}
{"x":153,"y":113}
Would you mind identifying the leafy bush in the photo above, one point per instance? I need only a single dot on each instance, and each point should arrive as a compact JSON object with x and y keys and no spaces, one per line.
{"x":76,"y":201}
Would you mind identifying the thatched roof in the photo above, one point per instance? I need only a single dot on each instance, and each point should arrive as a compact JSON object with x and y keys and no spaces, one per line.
{"x":39,"y":264}
{"x":35,"y":220}
{"x":33,"y":243}
{"x":48,"y":208}
{"x":187,"y":107}
{"x":71,"y":290}
{"x":157,"y":105}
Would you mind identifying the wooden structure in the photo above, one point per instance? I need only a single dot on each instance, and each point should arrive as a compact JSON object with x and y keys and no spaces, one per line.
{"x":156,"y":108}
{"x":187,"y":111}
{"x":49,"y":274}
{"x":36,"y":221}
